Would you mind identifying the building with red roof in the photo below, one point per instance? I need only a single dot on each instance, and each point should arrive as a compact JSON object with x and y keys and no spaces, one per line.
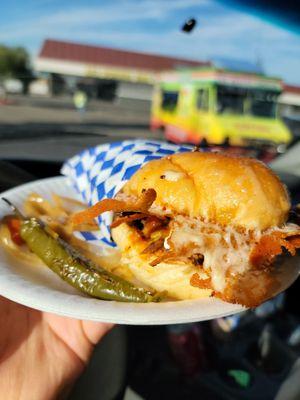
{"x":102,"y":62}
{"x":101,"y":69}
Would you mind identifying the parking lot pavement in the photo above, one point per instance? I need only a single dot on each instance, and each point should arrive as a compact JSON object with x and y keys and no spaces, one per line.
{"x":41,"y":114}
{"x":50,"y":128}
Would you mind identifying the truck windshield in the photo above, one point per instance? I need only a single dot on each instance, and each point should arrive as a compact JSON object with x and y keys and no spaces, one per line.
{"x":230,"y":99}
{"x":263,"y":103}
{"x":246,"y":101}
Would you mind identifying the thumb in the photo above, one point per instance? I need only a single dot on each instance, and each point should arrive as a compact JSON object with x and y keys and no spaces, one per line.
{"x":94,"y":331}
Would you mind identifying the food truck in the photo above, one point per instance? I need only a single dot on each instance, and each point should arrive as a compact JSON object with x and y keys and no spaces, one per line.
{"x":220,"y":106}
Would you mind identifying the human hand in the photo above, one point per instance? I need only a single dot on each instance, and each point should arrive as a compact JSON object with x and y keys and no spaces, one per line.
{"x":42,"y":354}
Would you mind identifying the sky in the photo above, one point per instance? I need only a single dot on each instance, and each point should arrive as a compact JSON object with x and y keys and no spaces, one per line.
{"x":154,"y":26}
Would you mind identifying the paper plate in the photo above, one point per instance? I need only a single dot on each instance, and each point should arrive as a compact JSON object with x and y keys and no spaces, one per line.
{"x":39,"y":288}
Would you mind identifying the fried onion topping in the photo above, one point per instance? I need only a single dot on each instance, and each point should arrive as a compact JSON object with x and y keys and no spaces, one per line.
{"x":142,"y":205}
{"x":272,"y":245}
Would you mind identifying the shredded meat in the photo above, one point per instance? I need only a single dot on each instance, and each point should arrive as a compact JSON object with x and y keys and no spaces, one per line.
{"x":128,"y":218}
{"x":295,"y":241}
{"x":197,"y":259}
{"x":166,"y":256}
{"x":146,"y":200}
{"x":250,"y":289}
{"x":154,"y":223}
{"x":154,"y":246}
{"x":271,"y":246}
{"x":141,"y":205}
{"x":200,"y":283}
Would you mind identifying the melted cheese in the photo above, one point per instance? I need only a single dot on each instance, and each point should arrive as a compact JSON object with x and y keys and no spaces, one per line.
{"x":225,"y":249}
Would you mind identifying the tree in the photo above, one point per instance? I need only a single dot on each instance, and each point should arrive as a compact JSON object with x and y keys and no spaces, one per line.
{"x":14,"y":63}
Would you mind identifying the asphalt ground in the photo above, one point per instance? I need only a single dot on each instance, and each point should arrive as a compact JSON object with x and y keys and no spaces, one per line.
{"x":52,"y":129}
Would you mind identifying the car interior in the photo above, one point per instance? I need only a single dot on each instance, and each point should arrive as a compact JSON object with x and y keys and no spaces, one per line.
{"x":247,"y":356}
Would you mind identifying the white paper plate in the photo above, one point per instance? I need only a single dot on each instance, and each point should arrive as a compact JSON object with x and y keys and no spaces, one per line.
{"x":40,"y":288}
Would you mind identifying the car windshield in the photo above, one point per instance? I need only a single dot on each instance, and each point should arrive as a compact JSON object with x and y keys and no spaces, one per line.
{"x":219,"y":76}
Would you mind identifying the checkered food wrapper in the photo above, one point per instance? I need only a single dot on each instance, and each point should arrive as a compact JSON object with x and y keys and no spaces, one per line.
{"x":100,"y":172}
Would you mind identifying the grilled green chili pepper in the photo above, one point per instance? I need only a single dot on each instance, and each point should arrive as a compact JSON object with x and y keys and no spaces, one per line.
{"x":84,"y":276}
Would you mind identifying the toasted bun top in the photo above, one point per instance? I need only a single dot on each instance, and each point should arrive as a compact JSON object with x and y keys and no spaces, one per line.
{"x":220,"y":188}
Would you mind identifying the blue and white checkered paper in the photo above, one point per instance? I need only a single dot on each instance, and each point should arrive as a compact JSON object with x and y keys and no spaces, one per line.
{"x":100,"y":172}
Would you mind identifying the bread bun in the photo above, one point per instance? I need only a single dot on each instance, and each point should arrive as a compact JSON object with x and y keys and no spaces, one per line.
{"x":173,"y":278}
{"x":223,"y":189}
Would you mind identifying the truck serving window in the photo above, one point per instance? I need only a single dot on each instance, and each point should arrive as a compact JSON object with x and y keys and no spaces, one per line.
{"x":169,"y":100}
{"x":202,"y":99}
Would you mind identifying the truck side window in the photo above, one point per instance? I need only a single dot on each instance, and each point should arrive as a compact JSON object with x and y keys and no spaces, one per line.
{"x":202,"y":99}
{"x":169,"y":100}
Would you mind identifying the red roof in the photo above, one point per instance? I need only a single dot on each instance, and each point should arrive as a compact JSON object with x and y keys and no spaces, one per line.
{"x":291,"y":89}
{"x":103,"y":55}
